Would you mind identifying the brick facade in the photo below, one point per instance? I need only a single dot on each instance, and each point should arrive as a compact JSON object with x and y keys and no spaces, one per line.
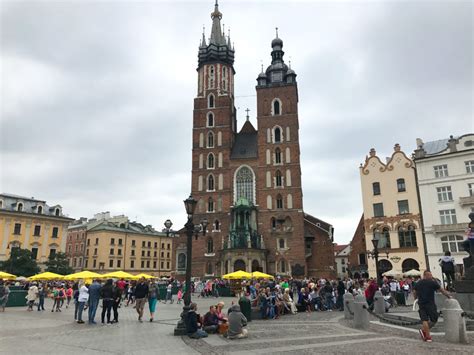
{"x":248,"y":183}
{"x":358,"y":254}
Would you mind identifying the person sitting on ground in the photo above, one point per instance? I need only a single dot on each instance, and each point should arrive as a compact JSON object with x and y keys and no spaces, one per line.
{"x":211,"y":321}
{"x":289,"y":301}
{"x":193,"y":323}
{"x":220,"y":314}
{"x":236,"y":323}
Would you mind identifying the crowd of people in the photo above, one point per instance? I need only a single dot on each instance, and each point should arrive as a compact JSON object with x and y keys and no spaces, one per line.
{"x":270,"y":299}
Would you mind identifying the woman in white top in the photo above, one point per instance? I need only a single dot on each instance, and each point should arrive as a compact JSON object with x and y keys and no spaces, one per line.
{"x":82,"y":299}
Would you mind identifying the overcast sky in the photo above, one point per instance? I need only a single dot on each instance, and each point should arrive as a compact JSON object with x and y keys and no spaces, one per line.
{"x":97,"y":96}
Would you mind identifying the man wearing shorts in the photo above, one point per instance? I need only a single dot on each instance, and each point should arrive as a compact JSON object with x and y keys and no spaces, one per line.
{"x":424,"y":292}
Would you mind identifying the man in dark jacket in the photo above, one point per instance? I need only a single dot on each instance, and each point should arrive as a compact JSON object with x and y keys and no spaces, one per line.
{"x":211,"y":321}
{"x":94,"y":296}
{"x":193,"y":323}
{"x":117,"y":295}
{"x":141,"y":295}
{"x":107,"y":294}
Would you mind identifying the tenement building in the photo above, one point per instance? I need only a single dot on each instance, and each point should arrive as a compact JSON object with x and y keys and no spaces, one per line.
{"x":77,"y":235}
{"x":248,"y":182}
{"x":129,"y":246}
{"x":392,"y":213}
{"x":445,"y":171}
{"x":31,"y":224}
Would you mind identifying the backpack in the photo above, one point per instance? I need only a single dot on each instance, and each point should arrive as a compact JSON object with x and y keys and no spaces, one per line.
{"x":447,"y":266}
{"x":61,"y":293}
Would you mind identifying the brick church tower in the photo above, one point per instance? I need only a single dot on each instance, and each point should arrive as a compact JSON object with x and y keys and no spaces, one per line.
{"x":248,"y":183}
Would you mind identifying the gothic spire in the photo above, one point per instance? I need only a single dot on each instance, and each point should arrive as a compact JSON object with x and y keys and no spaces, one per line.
{"x":203,"y":42}
{"x":216,"y":33}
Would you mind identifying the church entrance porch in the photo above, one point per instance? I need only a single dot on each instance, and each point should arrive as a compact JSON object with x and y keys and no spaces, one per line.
{"x":248,"y":260}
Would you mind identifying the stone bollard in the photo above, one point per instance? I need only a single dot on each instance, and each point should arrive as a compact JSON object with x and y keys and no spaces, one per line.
{"x":361,"y":315}
{"x":454,"y":322}
{"x":379,"y":303}
{"x":348,"y":300}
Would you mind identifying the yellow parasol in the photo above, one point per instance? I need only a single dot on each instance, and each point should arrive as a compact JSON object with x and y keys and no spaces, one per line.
{"x":6,"y":276}
{"x":118,"y":275}
{"x":83,"y":275}
{"x":145,"y":276}
{"x":237,"y":275}
{"x":46,"y":276}
{"x":261,"y":275}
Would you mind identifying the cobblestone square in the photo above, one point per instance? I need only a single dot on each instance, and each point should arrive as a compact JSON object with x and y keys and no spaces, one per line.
{"x":316,"y":333}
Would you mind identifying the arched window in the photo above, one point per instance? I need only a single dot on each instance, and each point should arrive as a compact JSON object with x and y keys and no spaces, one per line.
{"x":210,"y":119}
{"x":224,"y":78}
{"x":278,"y":179}
{"x":277,"y":135}
{"x":384,"y":266}
{"x":181,"y":261}
{"x":383,"y":237}
{"x":211,"y":76}
{"x":57,"y":212}
{"x":210,"y":161}
{"x":209,"y":268}
{"x":279,"y":201}
{"x":401,"y":185}
{"x":244,"y":184}
{"x":20,"y":207}
{"x":210,"y":140}
{"x":410,"y":264}
{"x":210,"y":246}
{"x":282,"y":266}
{"x":210,"y":101}
{"x":277,"y":156}
{"x":210,"y":205}
{"x":40,"y":209}
{"x":210,"y":183}
{"x":217,"y":225}
{"x":281,"y":243}
{"x":276,"y":107}
{"x":407,"y":236}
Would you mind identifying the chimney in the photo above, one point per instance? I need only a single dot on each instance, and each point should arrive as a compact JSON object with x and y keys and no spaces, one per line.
{"x":419,"y":143}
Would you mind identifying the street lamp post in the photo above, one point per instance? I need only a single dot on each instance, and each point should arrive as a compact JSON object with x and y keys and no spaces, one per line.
{"x":191,"y":229}
{"x":374,"y":254}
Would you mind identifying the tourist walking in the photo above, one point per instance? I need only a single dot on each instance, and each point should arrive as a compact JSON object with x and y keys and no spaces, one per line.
{"x":32,"y":295}
{"x":141,"y":294}
{"x":94,"y":296}
{"x":107,"y":295}
{"x":69,"y":293}
{"x":169,"y":293}
{"x":152,"y":299}
{"x":117,"y":294}
{"x":82,"y":299}
{"x":42,"y":292}
{"x":57,"y":299}
{"x":4,"y":293}
{"x":424,"y":292}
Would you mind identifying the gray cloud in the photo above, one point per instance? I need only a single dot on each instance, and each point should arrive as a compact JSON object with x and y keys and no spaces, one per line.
{"x":97,"y":96}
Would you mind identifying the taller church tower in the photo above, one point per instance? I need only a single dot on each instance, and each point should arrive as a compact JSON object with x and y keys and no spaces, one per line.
{"x":214,"y":128}
{"x":248,"y":182}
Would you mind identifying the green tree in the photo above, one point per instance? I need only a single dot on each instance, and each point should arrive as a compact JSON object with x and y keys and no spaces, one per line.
{"x":20,"y":263}
{"x":59,"y":263}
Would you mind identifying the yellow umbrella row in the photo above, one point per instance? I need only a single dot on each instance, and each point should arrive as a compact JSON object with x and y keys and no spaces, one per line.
{"x":238,"y":275}
{"x":6,"y":276}
{"x":46,"y":276}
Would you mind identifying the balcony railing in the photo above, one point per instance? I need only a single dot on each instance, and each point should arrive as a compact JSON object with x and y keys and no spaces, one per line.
{"x":443,"y":228}
{"x":465,"y":201}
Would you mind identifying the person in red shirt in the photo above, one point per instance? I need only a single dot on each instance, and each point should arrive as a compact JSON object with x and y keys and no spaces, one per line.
{"x":370,"y":292}
{"x":68,"y":295}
